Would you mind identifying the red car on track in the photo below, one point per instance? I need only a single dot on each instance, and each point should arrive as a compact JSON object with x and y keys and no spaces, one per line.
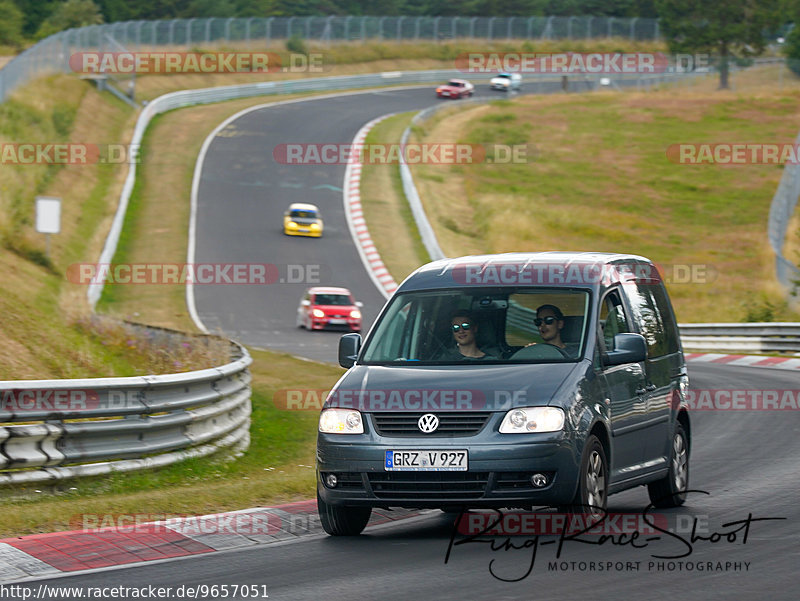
{"x":325,"y":306}
{"x":455,"y":88}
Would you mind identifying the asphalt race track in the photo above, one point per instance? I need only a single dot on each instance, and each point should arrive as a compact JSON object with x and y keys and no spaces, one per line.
{"x":242,"y":195}
{"x":745,"y":460}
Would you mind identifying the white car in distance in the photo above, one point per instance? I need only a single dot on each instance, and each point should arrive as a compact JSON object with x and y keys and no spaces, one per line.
{"x":506,"y":82}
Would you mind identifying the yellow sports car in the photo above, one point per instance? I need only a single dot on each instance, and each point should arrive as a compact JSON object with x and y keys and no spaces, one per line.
{"x":302,"y":219}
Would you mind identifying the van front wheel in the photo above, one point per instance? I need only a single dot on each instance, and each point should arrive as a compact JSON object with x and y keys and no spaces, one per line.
{"x":592,"y":494}
{"x":342,"y":520}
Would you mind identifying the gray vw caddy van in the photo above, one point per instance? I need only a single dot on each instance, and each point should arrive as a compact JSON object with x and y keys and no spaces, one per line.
{"x":537,"y":419}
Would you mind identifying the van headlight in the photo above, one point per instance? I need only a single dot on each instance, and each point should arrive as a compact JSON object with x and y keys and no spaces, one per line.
{"x":341,"y":421}
{"x":527,"y":420}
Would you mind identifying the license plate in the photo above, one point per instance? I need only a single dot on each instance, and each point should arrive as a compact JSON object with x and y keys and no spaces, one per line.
{"x":303,"y":229}
{"x":426,"y":460}
{"x":337,"y":321}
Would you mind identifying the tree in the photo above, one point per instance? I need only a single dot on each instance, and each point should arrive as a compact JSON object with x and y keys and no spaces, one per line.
{"x":34,"y":12}
{"x":11,"y":23}
{"x":728,"y":28}
{"x":72,"y":13}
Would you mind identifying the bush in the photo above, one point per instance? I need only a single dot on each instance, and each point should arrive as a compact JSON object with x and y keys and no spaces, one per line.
{"x":792,"y":50}
{"x":296,"y":44}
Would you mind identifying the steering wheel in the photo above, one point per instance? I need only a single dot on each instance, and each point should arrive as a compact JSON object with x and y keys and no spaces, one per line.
{"x":541,"y":351}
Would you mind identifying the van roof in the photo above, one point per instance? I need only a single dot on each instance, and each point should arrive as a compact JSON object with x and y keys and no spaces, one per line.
{"x":553,"y":268}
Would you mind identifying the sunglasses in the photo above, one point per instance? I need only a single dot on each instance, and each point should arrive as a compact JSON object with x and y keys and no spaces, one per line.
{"x":550,"y":320}
{"x":463,"y":326}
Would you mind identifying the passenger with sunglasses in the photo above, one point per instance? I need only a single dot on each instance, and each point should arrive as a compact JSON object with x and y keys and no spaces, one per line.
{"x":550,"y":321}
{"x":464,"y":331}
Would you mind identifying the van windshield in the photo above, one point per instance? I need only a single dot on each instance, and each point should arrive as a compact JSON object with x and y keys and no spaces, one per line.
{"x":508,"y":325}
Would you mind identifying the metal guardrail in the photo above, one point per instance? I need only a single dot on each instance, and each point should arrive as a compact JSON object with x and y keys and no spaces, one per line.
{"x":744,"y":337}
{"x":56,"y":429}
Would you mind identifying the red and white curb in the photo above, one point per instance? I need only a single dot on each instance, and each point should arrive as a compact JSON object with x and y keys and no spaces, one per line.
{"x":354,"y":215}
{"x":128,"y":542}
{"x":790,"y":363}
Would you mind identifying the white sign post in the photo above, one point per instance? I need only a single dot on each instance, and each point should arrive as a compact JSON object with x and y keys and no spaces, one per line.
{"x":48,"y":217}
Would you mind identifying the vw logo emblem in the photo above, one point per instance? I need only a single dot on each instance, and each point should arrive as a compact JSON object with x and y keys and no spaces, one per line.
{"x":428,"y":423}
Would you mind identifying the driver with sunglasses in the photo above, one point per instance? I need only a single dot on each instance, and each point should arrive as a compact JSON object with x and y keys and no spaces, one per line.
{"x":464,"y":330}
{"x":550,"y":321}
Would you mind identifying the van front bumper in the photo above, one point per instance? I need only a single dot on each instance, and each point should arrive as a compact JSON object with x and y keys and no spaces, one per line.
{"x":498,"y":475}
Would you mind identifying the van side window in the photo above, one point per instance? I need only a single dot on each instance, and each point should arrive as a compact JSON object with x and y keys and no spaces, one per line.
{"x":648,"y":302}
{"x":612,"y":319}
{"x":670,"y":327}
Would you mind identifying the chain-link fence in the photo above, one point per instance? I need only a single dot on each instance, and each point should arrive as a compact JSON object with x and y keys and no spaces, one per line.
{"x":52,"y":54}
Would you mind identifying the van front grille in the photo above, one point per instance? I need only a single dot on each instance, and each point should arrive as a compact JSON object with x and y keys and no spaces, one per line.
{"x":455,"y":423}
{"x":424,"y":486}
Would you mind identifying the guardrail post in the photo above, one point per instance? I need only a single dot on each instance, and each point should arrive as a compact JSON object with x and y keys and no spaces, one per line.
{"x":491,"y":23}
{"x":268,"y":29}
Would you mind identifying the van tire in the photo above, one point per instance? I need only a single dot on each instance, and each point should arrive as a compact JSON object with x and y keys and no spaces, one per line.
{"x":342,"y":520}
{"x":670,"y":491}
{"x":592,"y":480}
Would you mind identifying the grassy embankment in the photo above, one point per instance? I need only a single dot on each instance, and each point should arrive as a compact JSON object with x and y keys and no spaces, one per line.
{"x":598,"y":178}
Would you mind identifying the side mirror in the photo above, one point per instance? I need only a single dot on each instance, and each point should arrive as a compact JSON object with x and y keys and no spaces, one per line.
{"x":305,"y":303}
{"x":359,"y":304}
{"x":349,"y":345}
{"x":628,"y":348}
